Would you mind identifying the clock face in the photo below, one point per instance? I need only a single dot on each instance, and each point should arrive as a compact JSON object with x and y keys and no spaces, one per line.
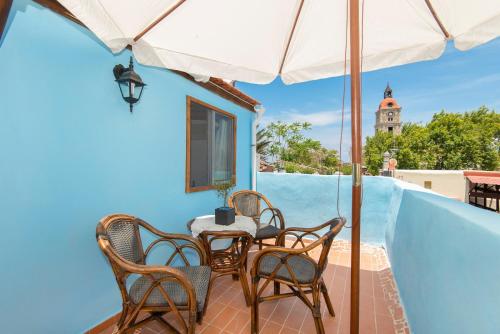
{"x":390,"y":114}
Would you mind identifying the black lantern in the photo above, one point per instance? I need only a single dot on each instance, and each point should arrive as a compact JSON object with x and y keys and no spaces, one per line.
{"x":130,"y":83}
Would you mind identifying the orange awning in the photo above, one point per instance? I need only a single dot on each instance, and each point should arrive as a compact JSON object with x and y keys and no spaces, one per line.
{"x":494,"y":180}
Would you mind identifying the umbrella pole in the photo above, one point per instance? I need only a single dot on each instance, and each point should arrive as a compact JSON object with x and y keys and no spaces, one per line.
{"x":356,"y":160}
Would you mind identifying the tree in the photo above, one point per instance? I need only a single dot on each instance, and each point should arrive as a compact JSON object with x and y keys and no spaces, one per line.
{"x":302,"y":151}
{"x":449,"y":141}
{"x":374,"y":149}
{"x":282,"y":134}
{"x":262,"y":142}
{"x":291,"y":150}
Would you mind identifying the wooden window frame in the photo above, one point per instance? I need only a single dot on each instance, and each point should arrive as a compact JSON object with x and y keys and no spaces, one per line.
{"x":189,"y":100}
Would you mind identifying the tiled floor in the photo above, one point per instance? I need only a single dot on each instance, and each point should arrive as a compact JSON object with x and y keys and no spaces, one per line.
{"x":380,"y":311}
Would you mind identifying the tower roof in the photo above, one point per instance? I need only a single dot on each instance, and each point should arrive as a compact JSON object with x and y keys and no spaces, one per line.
{"x":388,"y":91}
{"x":388,"y":102}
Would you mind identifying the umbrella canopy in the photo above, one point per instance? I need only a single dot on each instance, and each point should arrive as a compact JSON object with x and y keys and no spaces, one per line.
{"x":257,"y":40}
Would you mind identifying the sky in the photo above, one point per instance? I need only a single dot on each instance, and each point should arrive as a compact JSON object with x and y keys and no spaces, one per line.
{"x":456,"y":82}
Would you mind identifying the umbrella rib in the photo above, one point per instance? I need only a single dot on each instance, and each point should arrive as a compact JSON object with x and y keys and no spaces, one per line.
{"x":291,"y":35}
{"x":158,"y":20}
{"x":437,"y":19}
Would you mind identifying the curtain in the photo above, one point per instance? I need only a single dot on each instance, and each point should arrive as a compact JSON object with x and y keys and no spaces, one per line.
{"x":222,"y":155}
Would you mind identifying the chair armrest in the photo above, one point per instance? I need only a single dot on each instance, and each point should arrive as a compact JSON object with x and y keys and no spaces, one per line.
{"x":282,"y":250}
{"x":276,"y":215}
{"x":173,"y":239}
{"x":299,"y":233}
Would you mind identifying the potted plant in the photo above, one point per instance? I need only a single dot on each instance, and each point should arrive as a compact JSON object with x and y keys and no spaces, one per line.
{"x":224,"y":215}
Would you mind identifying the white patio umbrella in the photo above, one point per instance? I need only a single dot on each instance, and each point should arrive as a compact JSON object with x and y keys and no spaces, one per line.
{"x":299,"y":40}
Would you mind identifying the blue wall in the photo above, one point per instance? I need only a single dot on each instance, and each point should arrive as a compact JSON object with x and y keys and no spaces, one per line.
{"x":309,"y":200}
{"x":72,"y":153}
{"x":445,"y":260}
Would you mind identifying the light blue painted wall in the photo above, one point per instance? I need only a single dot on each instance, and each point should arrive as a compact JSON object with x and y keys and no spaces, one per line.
{"x":309,"y":200}
{"x":445,"y":259}
{"x":72,"y":153}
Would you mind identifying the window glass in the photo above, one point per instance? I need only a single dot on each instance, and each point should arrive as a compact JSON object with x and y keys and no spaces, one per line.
{"x":211,"y":138}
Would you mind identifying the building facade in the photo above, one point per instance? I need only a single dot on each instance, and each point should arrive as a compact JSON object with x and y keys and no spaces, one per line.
{"x":388,"y":115}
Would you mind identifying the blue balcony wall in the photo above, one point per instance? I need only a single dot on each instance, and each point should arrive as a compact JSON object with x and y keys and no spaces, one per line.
{"x":444,"y":257}
{"x":309,"y":200}
{"x":72,"y":153}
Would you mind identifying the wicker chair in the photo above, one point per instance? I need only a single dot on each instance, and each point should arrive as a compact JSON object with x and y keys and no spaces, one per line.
{"x":295,"y":268}
{"x":154,"y":289}
{"x":248,"y":203}
{"x":229,"y":260}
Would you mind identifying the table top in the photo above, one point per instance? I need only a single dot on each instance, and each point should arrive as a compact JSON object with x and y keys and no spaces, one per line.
{"x":207,"y":223}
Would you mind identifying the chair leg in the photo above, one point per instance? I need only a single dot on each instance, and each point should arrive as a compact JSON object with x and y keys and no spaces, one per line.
{"x":123,"y":316}
{"x":199,"y":317}
{"x":244,"y":285}
{"x":207,"y":299}
{"x":276,"y":288}
{"x":129,"y":320}
{"x":192,"y":322}
{"x":260,"y":244}
{"x":316,"y":311}
{"x":328,"y":302}
{"x":255,"y":307}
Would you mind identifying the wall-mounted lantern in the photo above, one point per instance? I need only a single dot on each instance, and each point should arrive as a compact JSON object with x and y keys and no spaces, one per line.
{"x":130,"y":83}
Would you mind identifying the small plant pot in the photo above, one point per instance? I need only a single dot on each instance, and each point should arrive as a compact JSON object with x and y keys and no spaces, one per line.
{"x":224,"y":215}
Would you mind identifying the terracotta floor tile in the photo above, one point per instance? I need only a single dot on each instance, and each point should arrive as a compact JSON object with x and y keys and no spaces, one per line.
{"x":213,"y":310}
{"x":271,"y":328}
{"x":240,"y":320}
{"x":385,"y":325}
{"x":288,"y":330}
{"x":224,"y":317}
{"x":282,"y":310}
{"x":211,"y":330}
{"x":296,"y":316}
{"x":381,"y":307}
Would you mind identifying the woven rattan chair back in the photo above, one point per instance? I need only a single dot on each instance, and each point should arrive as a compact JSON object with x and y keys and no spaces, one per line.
{"x":123,"y":235}
{"x":270,"y":221}
{"x":248,"y":203}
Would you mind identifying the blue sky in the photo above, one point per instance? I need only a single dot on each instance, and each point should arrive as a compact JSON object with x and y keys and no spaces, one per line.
{"x":456,"y":82}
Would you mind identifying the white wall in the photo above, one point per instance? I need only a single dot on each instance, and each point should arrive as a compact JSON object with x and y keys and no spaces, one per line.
{"x":450,"y":183}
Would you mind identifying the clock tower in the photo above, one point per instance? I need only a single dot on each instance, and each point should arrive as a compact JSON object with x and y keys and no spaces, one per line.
{"x":388,"y":115}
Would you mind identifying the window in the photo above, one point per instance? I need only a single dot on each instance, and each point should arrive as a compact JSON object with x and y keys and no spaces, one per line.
{"x":390,"y":129}
{"x":210,"y":146}
{"x":428,"y":184}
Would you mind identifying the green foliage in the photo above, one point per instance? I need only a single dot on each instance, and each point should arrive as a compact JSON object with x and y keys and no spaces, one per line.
{"x":374,"y":150}
{"x":291,"y":150}
{"x":346,"y":169}
{"x":262,"y":142}
{"x":450,"y":141}
{"x":282,"y":134}
{"x":223,"y":189}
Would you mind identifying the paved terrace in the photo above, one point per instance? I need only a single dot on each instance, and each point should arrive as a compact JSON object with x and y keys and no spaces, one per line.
{"x":381,"y":312}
